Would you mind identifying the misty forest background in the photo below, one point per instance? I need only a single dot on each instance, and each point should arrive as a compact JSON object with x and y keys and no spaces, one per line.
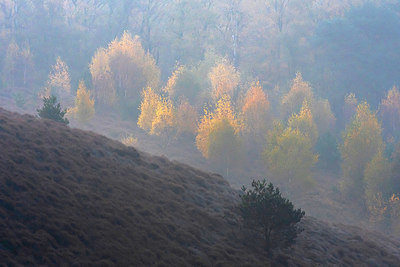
{"x":300,"y":91}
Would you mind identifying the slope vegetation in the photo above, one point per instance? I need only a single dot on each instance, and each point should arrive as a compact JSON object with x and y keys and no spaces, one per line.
{"x":69,"y":197}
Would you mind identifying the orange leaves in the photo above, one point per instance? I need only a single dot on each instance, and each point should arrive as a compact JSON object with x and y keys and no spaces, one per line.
{"x":255,"y":112}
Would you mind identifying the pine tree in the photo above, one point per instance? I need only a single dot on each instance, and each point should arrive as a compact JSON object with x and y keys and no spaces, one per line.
{"x":52,"y":110}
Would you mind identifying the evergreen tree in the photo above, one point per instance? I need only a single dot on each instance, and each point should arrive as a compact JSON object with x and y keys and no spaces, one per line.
{"x":52,"y":110}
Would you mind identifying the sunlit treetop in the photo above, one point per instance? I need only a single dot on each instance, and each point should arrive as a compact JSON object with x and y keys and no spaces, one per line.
{"x":224,"y":79}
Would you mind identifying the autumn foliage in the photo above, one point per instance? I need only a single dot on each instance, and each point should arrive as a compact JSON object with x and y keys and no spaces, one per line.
{"x":293,"y":100}
{"x":362,"y":140}
{"x":256,"y":112}
{"x":84,"y":104}
{"x":223,"y":111}
{"x":224,"y":79}
{"x":121,"y":71}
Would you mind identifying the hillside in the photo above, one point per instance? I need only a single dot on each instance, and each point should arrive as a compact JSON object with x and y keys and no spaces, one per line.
{"x":69,"y":197}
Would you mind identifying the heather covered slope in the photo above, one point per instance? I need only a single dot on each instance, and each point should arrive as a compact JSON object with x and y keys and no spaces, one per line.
{"x":73,"y":197}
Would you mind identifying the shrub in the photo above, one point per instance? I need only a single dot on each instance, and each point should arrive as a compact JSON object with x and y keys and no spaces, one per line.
{"x":264,"y":209}
{"x":52,"y":110}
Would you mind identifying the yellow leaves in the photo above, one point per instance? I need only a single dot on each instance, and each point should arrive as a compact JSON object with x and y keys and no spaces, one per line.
{"x":171,"y":83}
{"x":223,"y":145}
{"x":304,"y":122}
{"x":157,"y":114}
{"x":203,"y":133}
{"x":289,"y":155}
{"x":122,"y":70}
{"x":59,"y":81}
{"x":224,"y":78}
{"x":362,"y":140}
{"x":129,"y":140}
{"x":164,"y":119}
{"x":148,"y":108}
{"x":293,"y":100}
{"x":84,"y":104}
{"x":223,"y":111}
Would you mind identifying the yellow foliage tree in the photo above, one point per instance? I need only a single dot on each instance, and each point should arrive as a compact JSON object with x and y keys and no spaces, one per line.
{"x":255,"y":112}
{"x":125,"y":68}
{"x":148,"y":108}
{"x":289,"y":156}
{"x":103,"y":83}
{"x":164,"y":119}
{"x":84,"y":104}
{"x":157,"y":114}
{"x":293,"y":100}
{"x":170,"y":87}
{"x":223,"y":111}
{"x":303,"y":122}
{"x":223,"y":146}
{"x":362,"y":140}
{"x":59,"y":82}
{"x":224,"y":79}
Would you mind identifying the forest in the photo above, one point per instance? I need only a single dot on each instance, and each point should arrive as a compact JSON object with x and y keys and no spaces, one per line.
{"x":291,"y":90}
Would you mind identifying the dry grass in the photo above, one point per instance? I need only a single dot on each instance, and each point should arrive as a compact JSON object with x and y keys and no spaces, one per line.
{"x":69,"y":197}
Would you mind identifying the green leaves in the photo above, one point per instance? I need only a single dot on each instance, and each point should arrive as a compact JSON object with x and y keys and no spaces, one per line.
{"x":52,"y":110}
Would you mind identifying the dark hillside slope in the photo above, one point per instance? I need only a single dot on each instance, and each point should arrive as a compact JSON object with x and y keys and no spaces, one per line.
{"x":69,"y":197}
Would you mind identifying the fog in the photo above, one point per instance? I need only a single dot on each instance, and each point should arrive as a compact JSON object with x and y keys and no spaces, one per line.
{"x":300,"y":92}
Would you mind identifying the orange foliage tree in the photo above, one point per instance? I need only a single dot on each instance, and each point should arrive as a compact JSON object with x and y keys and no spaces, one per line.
{"x":256,"y":113}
